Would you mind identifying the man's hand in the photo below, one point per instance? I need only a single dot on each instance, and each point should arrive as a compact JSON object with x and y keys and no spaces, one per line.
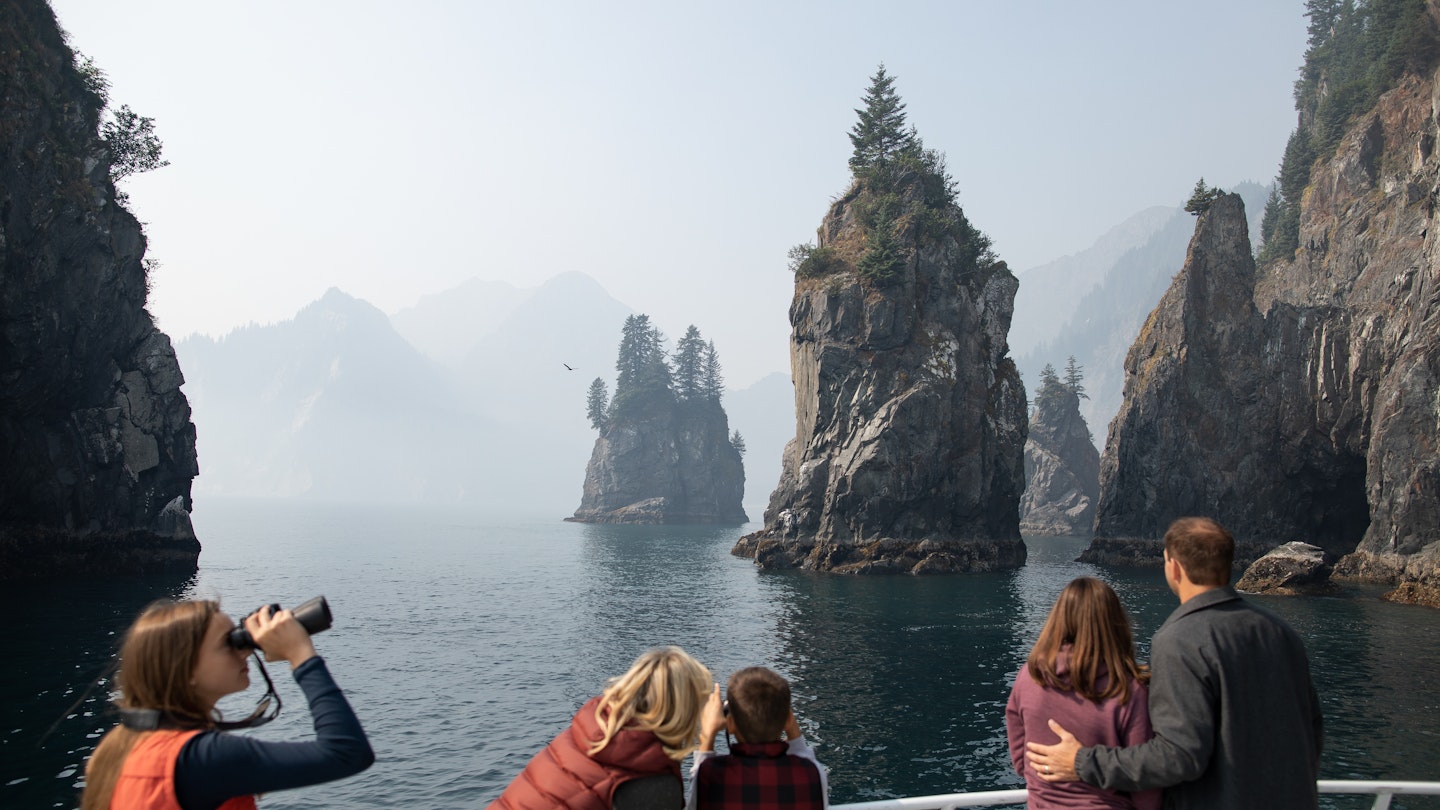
{"x":1055,"y":763}
{"x":712,"y":720}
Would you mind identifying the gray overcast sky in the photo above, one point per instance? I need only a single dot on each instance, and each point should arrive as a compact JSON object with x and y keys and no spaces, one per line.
{"x":673,"y":151}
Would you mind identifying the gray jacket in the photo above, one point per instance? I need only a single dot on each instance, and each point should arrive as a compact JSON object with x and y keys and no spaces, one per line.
{"x":1237,"y":722}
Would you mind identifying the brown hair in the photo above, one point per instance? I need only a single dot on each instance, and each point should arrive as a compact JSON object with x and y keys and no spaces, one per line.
{"x":1089,"y":618}
{"x":663,"y":693}
{"x":157,"y":661}
{"x":759,"y":703}
{"x":1203,"y":548}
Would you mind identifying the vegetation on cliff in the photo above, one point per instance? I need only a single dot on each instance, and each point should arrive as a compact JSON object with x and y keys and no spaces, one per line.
{"x":1357,"y":49}
{"x":901,"y":194}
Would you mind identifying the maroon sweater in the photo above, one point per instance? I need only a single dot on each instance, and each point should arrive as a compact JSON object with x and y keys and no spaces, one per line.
{"x":1110,"y":723}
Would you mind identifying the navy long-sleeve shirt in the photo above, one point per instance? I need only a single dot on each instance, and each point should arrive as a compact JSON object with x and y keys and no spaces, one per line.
{"x":214,"y":766}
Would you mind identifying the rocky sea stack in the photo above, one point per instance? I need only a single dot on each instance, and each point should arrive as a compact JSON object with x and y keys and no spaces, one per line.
{"x":910,"y":417}
{"x":97,"y":450}
{"x":1296,"y":400}
{"x":665,"y":453}
{"x":1062,"y":466}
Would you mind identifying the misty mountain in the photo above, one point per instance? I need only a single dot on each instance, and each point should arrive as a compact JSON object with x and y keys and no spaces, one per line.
{"x":1107,"y":319}
{"x":764,"y":413}
{"x":446,"y":325}
{"x":332,"y":405}
{"x":1050,"y":293}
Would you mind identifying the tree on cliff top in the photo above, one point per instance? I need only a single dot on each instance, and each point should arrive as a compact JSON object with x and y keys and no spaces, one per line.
{"x":641,"y":363}
{"x":596,"y":404}
{"x":689,"y":359}
{"x":880,"y":135}
{"x":1074,"y":373}
{"x":1200,"y":200}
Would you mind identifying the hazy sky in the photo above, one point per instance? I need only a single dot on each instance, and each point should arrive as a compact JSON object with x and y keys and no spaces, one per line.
{"x":673,"y":151}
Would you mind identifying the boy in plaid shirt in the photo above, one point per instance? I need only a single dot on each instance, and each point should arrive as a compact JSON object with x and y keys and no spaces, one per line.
{"x":761,"y":772}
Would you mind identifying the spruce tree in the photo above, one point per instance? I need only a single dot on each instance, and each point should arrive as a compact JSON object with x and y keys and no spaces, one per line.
{"x":880,"y":135}
{"x":1048,"y":380}
{"x":738,"y":442}
{"x":596,"y":403}
{"x":1074,"y":373}
{"x":689,"y":353}
{"x":1202,"y":198}
{"x":712,"y":382}
{"x":641,"y":362}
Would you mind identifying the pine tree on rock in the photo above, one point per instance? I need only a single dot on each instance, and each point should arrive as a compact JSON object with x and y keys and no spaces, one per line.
{"x":881,"y":134}
{"x":1074,"y":373}
{"x":597,"y":403}
{"x":712,"y":383}
{"x":689,"y":362}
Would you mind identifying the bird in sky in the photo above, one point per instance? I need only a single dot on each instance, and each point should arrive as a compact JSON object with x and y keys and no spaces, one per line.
{"x":567,"y":366}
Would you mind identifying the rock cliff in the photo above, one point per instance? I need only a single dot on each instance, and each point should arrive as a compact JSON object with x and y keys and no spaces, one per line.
{"x":664,"y":461}
{"x":910,"y":416}
{"x":1297,"y":401}
{"x":97,"y":450}
{"x":1062,"y":467}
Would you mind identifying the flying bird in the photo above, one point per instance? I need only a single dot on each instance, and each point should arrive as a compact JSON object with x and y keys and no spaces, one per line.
{"x":567,"y":366}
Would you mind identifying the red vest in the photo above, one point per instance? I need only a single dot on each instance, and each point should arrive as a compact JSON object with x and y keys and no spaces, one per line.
{"x":565,"y":775}
{"x":762,"y":776}
{"x":147,"y":779}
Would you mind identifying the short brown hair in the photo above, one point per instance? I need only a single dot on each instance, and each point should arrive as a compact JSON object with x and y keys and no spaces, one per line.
{"x":1203,"y":548}
{"x":759,"y":702}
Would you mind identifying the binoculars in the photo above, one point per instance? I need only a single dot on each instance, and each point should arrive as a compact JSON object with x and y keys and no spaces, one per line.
{"x":313,"y":615}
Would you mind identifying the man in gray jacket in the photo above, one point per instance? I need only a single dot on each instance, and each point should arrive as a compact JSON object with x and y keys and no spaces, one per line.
{"x":1237,"y":722}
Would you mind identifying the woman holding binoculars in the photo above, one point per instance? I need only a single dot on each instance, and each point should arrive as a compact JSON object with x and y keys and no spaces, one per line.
{"x":170,"y":751}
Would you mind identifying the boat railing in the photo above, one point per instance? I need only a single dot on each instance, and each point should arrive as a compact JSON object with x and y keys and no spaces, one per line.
{"x":1382,"y":790}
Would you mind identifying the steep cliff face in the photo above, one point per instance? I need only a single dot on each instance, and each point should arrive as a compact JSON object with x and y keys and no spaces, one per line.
{"x":1062,"y":468}
{"x":664,"y":462}
{"x":1299,"y":404}
{"x":910,"y":418}
{"x":95,"y":435}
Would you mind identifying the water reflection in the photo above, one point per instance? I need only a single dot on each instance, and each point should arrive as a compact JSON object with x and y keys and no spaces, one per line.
{"x":60,"y":638}
{"x":902,"y":677}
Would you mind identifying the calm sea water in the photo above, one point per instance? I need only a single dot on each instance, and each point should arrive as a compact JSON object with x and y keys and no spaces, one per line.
{"x":466,"y":642}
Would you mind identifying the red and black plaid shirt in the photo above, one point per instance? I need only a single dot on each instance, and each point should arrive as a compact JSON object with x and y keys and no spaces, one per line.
{"x":761,"y":776}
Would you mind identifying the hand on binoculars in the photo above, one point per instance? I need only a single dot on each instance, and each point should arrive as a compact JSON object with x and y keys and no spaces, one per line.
{"x":279,"y":636}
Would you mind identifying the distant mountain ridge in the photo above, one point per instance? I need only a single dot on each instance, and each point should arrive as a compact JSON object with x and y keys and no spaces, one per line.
{"x":337,"y":404}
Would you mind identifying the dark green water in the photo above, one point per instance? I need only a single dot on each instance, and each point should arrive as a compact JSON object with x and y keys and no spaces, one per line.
{"x":466,"y":642}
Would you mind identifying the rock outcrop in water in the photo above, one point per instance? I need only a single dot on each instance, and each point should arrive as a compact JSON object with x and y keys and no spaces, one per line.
{"x":1298,"y":401}
{"x":665,"y":462}
{"x":1062,"y":466}
{"x":1292,"y":569}
{"x":97,"y":450}
{"x":910,"y":416}
{"x":665,"y":454}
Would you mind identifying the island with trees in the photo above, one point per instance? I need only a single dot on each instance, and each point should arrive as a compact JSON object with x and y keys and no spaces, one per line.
{"x":665,"y":453}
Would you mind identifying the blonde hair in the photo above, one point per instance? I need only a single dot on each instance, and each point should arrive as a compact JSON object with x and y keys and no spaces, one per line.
{"x":157,"y":661}
{"x":1088,"y":616}
{"x":663,"y":693}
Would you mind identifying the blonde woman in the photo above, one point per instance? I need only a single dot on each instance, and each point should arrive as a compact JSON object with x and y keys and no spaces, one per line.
{"x":171,"y":750}
{"x":642,"y":726}
{"x":1081,"y":673}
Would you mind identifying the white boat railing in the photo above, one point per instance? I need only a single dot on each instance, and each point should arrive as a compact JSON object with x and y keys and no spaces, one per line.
{"x":1382,"y":790}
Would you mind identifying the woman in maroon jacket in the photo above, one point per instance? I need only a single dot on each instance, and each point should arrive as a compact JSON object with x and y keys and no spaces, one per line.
{"x":1082,"y":674}
{"x":643,"y":724}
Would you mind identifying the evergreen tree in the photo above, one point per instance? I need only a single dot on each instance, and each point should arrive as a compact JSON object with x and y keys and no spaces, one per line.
{"x":596,"y":403}
{"x":738,"y":442}
{"x":641,"y":363}
{"x":689,"y":354}
{"x":1202,"y":198}
{"x":1048,"y":380}
{"x":880,"y":135}
{"x":712,"y":382}
{"x":884,"y":258}
{"x":1074,"y":373}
